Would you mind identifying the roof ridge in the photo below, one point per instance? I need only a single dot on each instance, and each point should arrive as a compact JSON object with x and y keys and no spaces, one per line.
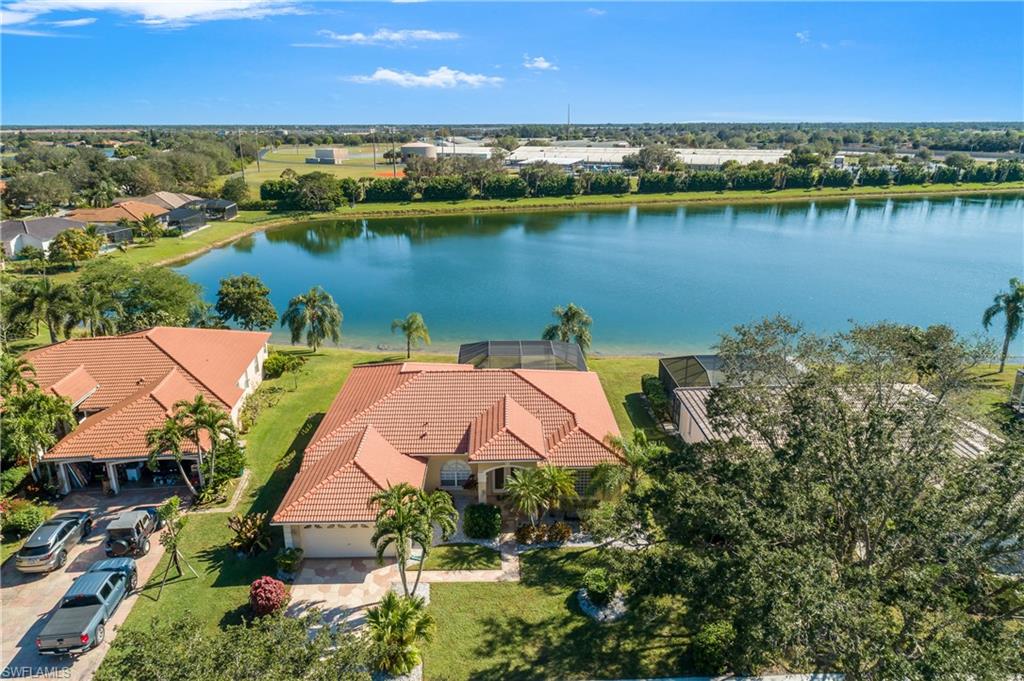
{"x":182,"y":366}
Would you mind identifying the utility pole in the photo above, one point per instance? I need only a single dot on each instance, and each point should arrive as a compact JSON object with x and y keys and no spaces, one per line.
{"x":394,"y":161}
{"x":241,"y":158}
{"x":373,"y":140}
{"x":258,"y":168}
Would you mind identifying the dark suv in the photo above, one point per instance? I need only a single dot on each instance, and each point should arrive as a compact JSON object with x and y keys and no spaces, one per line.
{"x":47,"y":548}
{"x":128,"y":533}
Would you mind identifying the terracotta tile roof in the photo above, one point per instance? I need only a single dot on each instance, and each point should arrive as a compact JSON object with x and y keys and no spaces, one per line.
{"x":422,"y":410}
{"x":130,"y":210}
{"x":76,"y":386}
{"x":339,"y":486}
{"x":212,"y":360}
{"x":119,"y":432}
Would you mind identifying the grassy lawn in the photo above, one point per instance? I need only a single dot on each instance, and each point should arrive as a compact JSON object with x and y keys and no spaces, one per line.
{"x":273,"y":163}
{"x":461,"y":557}
{"x":534,"y":630}
{"x":990,"y":404}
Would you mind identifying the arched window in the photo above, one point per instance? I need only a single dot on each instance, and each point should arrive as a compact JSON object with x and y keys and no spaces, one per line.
{"x":455,"y":473}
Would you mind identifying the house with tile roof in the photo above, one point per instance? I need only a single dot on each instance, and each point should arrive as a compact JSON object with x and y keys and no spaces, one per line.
{"x":133,"y":211}
{"x":121,"y":387}
{"x":437,"y":426}
{"x":165,"y":200}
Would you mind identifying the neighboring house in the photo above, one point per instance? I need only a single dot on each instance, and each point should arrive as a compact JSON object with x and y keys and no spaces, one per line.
{"x":123,"y":386}
{"x":165,"y":200}
{"x":37,"y":232}
{"x":437,"y":426}
{"x":216,"y":209}
{"x":329,"y":156}
{"x":133,"y":211}
{"x":185,"y":220}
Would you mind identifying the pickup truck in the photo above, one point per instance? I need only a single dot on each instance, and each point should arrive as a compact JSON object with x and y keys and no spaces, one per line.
{"x":77,"y":625}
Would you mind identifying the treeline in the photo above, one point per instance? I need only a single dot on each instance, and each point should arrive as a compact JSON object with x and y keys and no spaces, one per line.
{"x":319,"y":191}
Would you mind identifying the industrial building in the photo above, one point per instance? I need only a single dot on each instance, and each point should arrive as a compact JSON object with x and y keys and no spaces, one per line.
{"x":329,"y":156}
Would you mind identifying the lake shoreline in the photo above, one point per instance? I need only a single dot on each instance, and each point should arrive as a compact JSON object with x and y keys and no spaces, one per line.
{"x":495,"y":206}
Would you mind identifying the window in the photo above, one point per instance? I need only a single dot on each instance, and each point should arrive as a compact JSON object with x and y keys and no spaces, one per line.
{"x":499,"y":479}
{"x":105,"y":590}
{"x":455,"y":473}
{"x":582,"y":480}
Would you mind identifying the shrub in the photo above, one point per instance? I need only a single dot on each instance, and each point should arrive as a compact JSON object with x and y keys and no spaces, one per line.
{"x":835,"y":177}
{"x":946,"y":175}
{"x":556,"y":184}
{"x":1009,"y":171}
{"x":446,"y":188}
{"x":23,"y":517}
{"x":279,"y":362}
{"x":278,"y":190}
{"x":911,"y":173}
{"x":258,"y":205}
{"x":754,"y":178}
{"x":710,"y":647}
{"x":559,"y":532}
{"x":230,"y":459}
{"x":267,"y":596}
{"x":481,"y":521}
{"x":505,"y":187}
{"x":707,"y":181}
{"x":213,"y":492}
{"x":287,"y":560}
{"x":599,"y":586}
{"x":389,"y":189}
{"x":251,"y":532}
{"x":983,"y":172}
{"x":609,"y":183}
{"x":799,"y":178}
{"x":396,"y":624}
{"x":540,"y":533}
{"x":655,"y":393}
{"x":525,"y":534}
{"x":11,"y":478}
{"x":661,"y":183}
{"x":265,"y":397}
{"x":874,"y":177}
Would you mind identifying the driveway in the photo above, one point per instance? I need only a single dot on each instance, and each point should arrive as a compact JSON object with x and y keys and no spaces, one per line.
{"x":26,"y":600}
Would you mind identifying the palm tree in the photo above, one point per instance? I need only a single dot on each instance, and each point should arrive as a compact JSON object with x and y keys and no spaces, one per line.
{"x":102,"y":195}
{"x":395,"y":625}
{"x":150,"y":227}
{"x":437,"y":510}
{"x":200,"y":416}
{"x":1011,"y":305}
{"x":399,"y":523}
{"x":43,"y":301}
{"x":33,"y":421}
{"x":414,"y":329}
{"x":559,"y":486}
{"x":95,"y":310}
{"x":613,"y":479}
{"x":527,"y":491}
{"x":17,"y":375}
{"x":316,"y":313}
{"x":168,"y":439}
{"x":573,"y":325}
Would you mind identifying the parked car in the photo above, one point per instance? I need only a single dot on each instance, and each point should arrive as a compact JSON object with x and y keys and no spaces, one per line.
{"x":128,"y":533}
{"x":125,"y":566}
{"x":47,"y":548}
{"x":78,"y":623}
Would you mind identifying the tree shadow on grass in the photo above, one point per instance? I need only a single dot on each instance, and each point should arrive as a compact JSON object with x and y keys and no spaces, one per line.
{"x":380,"y":360}
{"x":462,"y":557}
{"x":152,"y":587}
{"x":636,"y":409}
{"x":273,"y":490}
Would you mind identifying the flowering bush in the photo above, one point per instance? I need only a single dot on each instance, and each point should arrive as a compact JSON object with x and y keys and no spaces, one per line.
{"x":559,"y":532}
{"x":267,"y":595}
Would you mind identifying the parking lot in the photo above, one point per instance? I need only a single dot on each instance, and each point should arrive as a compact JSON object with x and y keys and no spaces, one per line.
{"x":27,"y":599}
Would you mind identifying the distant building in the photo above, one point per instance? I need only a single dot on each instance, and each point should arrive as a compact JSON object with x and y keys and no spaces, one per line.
{"x":130,"y":210}
{"x":611,"y":157}
{"x":467,"y":150}
{"x":418,"y":149}
{"x":329,"y":156}
{"x":186,"y":220}
{"x":167,"y":200}
{"x":38,"y":233}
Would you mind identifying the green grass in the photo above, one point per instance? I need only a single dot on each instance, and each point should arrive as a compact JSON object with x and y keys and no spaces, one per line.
{"x":461,"y":557}
{"x":288,"y":156}
{"x":990,"y":404}
{"x":534,"y":629}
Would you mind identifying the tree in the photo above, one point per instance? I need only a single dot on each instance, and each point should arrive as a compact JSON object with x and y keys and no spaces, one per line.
{"x":414,"y":329}
{"x":17,"y":375}
{"x":41,"y":300}
{"x":169,"y":438}
{"x":150,"y":227}
{"x":102,"y":194}
{"x":651,"y":158}
{"x":396,"y":624}
{"x":573,"y":326}
{"x":33,"y":254}
{"x":318,"y":191}
{"x":202,"y":421}
{"x":840,"y":526}
{"x":528,"y":492}
{"x":559,"y":486}
{"x":316,"y":314}
{"x":75,"y":245}
{"x":959,"y":160}
{"x":32,"y":421}
{"x":245,"y":300}
{"x":615,"y":479}
{"x":94,"y":309}
{"x":1010,"y":304}
{"x":148,"y":295}
{"x":437,"y":511}
{"x":399,"y":524}
{"x":235,"y":189}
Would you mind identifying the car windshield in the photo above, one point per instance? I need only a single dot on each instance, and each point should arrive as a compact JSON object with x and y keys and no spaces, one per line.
{"x":33,"y":551}
{"x":79,"y":601}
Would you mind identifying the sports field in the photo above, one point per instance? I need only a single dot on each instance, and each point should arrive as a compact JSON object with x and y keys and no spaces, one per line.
{"x":358,"y":164}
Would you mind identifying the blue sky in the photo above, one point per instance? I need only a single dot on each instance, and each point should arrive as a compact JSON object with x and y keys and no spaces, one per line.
{"x":285,"y":61}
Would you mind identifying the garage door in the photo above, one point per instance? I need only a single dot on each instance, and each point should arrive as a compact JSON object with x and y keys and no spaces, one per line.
{"x":335,"y":542}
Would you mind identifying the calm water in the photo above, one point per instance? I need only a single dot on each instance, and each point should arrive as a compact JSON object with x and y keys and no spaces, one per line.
{"x":654,"y":280}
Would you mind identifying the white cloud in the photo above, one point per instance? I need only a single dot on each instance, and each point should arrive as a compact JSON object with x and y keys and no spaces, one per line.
{"x":803,"y":36}
{"x":71,"y":23}
{"x":538,"y":63}
{"x":442,"y":77}
{"x":385,"y":36}
{"x":167,"y":13}
{"x":596,"y":12}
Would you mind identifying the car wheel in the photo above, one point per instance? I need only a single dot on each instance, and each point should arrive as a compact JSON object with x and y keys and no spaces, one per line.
{"x":100,"y":635}
{"x":133,"y":581}
{"x":87,"y":528}
{"x":145,"y":548}
{"x":62,"y":559}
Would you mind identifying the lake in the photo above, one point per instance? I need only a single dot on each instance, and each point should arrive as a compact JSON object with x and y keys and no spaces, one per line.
{"x":655,"y":280}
